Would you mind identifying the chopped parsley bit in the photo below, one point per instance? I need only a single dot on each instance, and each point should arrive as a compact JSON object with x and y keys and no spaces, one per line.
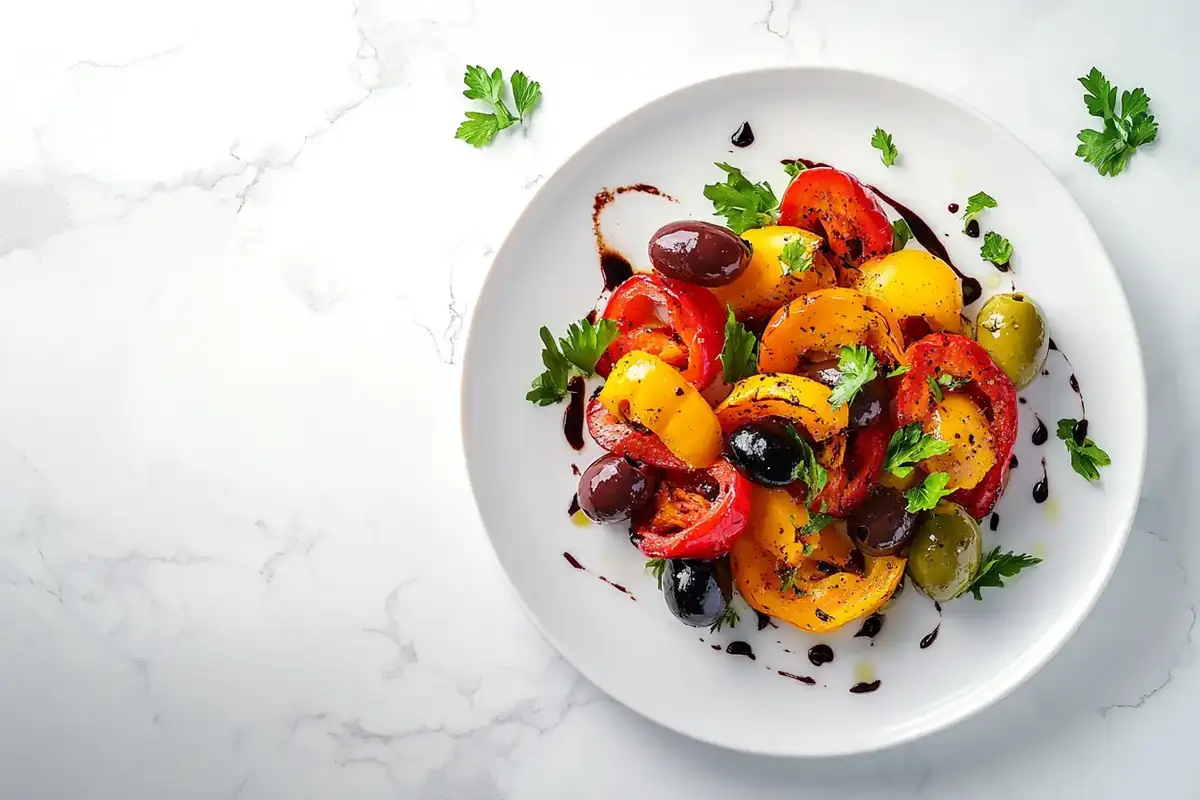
{"x":738,"y":357}
{"x":796,"y":256}
{"x":656,"y":567}
{"x":908,"y":446}
{"x":928,"y":494}
{"x":744,"y":205}
{"x":1086,"y":456}
{"x":996,"y":248}
{"x":787,"y":578}
{"x":976,"y":204}
{"x":479,"y":128}
{"x":999,"y":565}
{"x":898,"y":371}
{"x":1125,"y":129}
{"x":794,"y":168}
{"x":858,"y":367}
{"x":816,"y":522}
{"x":728,"y":617}
{"x":882,"y":141}
{"x":901,"y":234}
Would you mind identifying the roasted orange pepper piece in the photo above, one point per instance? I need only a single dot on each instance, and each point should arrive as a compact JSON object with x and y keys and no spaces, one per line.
{"x":791,"y":397}
{"x":820,"y":323}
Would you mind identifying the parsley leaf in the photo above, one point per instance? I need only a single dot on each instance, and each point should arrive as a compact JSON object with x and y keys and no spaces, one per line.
{"x":997,"y":566}
{"x":927,"y":495}
{"x":858,"y":367}
{"x":656,"y":567}
{"x":793,"y":168}
{"x":809,"y":470}
{"x":882,"y":141}
{"x":1125,"y":128}
{"x":526,"y":93}
{"x":739,"y":357}
{"x":551,"y":385}
{"x":796,"y":256}
{"x":901,"y":234}
{"x":728,"y":617}
{"x":909,"y":445}
{"x":935,"y":389}
{"x":479,"y":128}
{"x":1086,"y":456}
{"x":787,"y":578}
{"x":816,"y":522}
{"x":950,"y":383}
{"x":976,"y":204}
{"x":898,"y":371}
{"x":996,"y":248}
{"x":744,"y":205}
{"x":585,"y":343}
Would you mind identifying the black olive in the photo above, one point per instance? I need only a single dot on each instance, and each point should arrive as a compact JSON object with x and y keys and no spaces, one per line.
{"x":612,"y":488}
{"x":697,"y":592}
{"x":765,"y":453}
{"x":869,"y":404}
{"x":882,"y":525}
{"x":699,"y":252}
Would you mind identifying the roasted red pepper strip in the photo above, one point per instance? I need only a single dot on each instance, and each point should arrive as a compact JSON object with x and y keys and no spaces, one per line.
{"x":837,"y":206}
{"x":956,"y":355}
{"x":697,"y":514}
{"x":682,"y":324}
{"x":849,"y":483}
{"x":622,"y":439}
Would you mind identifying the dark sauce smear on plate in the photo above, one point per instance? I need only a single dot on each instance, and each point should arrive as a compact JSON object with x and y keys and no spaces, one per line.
{"x":1040,"y":434}
{"x":871,"y":626}
{"x":1079,"y":431}
{"x":802,"y":678}
{"x":743,"y":136}
{"x":1073,"y":381}
{"x":615,"y":267}
{"x":952,"y":208}
{"x":820,"y":654}
{"x":972,"y":229}
{"x":972,"y":289}
{"x":571,"y":509}
{"x":1041,"y":489}
{"x":573,"y":416}
{"x":864,"y":688}
{"x":1012,"y":462}
{"x":763,"y":620}
{"x":574,"y":562}
{"x":928,"y":639}
{"x":994,"y":523}
{"x":741,"y":649}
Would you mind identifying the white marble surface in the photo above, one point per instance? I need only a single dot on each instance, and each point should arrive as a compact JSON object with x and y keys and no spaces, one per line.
{"x":238,"y":249}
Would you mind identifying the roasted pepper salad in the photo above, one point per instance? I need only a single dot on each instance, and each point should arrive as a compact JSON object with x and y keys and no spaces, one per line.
{"x":795,"y":406}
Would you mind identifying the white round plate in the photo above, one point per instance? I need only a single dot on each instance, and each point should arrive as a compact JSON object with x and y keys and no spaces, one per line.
{"x":520,"y":464}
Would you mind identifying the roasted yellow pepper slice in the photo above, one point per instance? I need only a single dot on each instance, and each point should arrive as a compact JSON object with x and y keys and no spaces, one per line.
{"x":644,"y":389}
{"x":956,"y":419}
{"x":813,"y":602}
{"x":820,"y":323}
{"x":913,"y":283}
{"x":766,"y":284}
{"x":791,"y":397}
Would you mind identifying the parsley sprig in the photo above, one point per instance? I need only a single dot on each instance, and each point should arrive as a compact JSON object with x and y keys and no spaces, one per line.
{"x":739,"y":356}
{"x":928,"y":494}
{"x":809,"y":469}
{"x":578,"y":351}
{"x":909,"y":445}
{"x":882,"y":141}
{"x":744,"y":205}
{"x":1126,"y":127}
{"x":1086,"y":455}
{"x":947,"y":382}
{"x":998,"y":566}
{"x":728,"y":617}
{"x":901,"y":234}
{"x":656,"y":567}
{"x":858,"y":367}
{"x":996,"y":248}
{"x":976,"y":205}
{"x":479,"y":128}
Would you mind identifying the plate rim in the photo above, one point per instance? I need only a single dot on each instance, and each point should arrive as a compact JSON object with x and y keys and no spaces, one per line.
{"x":999,"y":688}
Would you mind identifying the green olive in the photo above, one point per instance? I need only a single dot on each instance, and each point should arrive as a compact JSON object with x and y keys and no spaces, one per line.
{"x":1013,"y":331}
{"x":944,"y":556}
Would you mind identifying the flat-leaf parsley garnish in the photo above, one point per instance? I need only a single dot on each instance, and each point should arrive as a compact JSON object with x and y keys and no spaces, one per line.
{"x":1086,"y":455}
{"x":744,"y":205}
{"x":1126,"y":127}
{"x":882,"y":141}
{"x":739,"y":358}
{"x":578,"y":352}
{"x":480,"y":128}
{"x":997,"y":566}
{"x":858,"y":367}
{"x":909,"y":445}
